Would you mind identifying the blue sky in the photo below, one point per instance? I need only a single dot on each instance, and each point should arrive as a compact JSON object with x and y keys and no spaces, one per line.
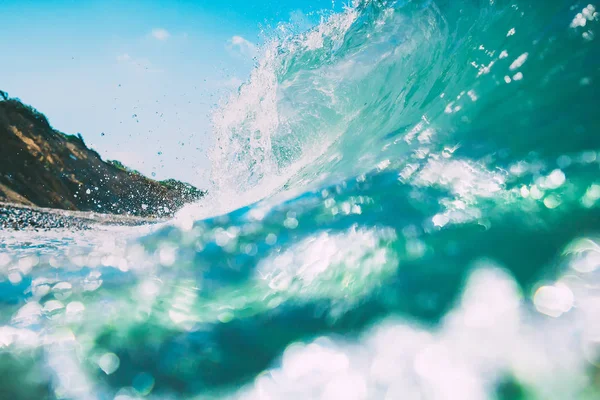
{"x":137,"y":79}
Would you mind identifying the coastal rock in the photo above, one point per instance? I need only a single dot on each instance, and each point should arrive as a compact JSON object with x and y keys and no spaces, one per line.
{"x":40,"y":166}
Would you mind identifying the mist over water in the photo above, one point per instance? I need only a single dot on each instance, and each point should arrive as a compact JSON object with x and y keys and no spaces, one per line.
{"x":404,"y":204}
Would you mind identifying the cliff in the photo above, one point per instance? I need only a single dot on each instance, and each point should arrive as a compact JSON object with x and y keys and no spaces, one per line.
{"x":40,"y":166}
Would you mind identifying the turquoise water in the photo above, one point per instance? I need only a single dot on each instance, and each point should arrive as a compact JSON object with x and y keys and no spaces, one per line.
{"x":404,"y":205}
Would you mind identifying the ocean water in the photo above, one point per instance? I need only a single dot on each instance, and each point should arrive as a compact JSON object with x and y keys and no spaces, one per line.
{"x":404,"y":204}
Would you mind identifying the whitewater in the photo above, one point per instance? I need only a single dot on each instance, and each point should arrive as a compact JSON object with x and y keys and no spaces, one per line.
{"x":404,"y":204}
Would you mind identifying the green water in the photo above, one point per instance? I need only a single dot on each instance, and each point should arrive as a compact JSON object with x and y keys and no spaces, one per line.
{"x":404,"y":205}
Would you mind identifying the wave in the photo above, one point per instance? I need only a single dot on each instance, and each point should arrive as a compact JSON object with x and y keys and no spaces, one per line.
{"x":385,"y":82}
{"x":404,"y":203}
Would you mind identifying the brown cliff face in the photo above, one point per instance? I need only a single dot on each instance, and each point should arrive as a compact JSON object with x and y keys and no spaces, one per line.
{"x":43,"y":167}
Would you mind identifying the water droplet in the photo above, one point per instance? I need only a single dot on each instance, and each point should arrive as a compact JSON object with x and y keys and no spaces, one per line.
{"x":143,"y":383}
{"x":109,"y":363}
{"x":553,"y":300}
{"x":62,"y":290}
{"x":271,"y":239}
{"x":291,"y":223}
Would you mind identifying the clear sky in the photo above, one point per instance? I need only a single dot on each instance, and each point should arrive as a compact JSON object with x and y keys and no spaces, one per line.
{"x":137,"y":79}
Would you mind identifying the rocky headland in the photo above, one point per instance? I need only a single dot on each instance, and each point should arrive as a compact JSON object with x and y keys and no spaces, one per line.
{"x":42,"y":167}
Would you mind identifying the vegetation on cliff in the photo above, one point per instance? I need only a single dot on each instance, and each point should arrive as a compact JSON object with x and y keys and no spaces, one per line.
{"x":44,"y":167}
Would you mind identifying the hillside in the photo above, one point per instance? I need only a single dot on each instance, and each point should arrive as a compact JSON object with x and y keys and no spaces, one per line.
{"x":40,"y":166}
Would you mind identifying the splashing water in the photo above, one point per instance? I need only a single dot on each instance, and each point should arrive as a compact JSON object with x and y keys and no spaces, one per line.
{"x":404,"y":205}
